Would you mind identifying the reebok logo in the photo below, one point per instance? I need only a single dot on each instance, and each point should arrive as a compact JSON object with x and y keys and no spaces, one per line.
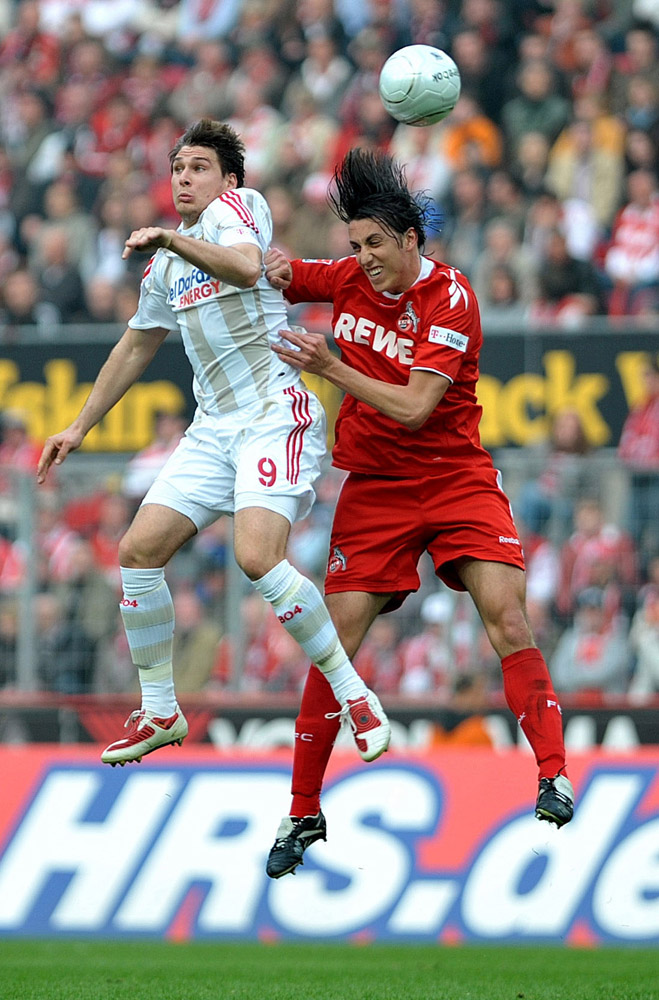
{"x":508,"y":541}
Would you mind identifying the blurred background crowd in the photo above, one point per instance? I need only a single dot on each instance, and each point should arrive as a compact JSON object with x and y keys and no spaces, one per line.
{"x":545,"y":193}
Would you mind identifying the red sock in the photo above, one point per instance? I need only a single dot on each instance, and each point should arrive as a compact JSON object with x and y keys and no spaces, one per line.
{"x":530,"y":695}
{"x":314,"y":739}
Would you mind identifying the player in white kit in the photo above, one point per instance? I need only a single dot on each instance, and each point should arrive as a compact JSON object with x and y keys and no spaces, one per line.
{"x":253,"y":449}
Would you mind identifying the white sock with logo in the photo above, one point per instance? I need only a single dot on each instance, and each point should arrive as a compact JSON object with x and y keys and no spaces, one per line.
{"x":147,"y":610}
{"x":303,"y":613}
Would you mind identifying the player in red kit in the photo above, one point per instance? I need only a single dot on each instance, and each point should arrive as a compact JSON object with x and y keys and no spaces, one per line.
{"x":409,"y":333}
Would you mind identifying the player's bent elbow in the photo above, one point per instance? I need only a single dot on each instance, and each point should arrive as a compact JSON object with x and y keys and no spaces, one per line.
{"x":415,"y":419}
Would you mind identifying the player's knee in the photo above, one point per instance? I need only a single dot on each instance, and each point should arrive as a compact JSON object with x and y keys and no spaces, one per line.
{"x":137,"y":553}
{"x":510,"y":630}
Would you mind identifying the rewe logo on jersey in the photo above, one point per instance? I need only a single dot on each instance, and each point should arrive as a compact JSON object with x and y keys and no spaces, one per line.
{"x":365,"y":331}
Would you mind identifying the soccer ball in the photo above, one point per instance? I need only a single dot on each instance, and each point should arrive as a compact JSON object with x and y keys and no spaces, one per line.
{"x":419,"y":85}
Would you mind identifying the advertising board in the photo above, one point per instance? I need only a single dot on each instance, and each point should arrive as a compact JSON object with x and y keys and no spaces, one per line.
{"x":437,"y":846}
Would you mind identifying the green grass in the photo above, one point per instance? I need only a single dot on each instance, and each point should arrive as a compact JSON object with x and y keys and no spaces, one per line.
{"x":111,"y":970}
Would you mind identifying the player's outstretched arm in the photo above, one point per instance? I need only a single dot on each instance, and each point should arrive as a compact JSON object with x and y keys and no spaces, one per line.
{"x":278,"y":269}
{"x":238,"y":265}
{"x":409,"y":405}
{"x":125,"y":363}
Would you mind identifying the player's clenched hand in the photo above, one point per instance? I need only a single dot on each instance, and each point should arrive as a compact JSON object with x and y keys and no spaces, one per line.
{"x":307,"y":351}
{"x":55,"y":450}
{"x":278,"y":268}
{"x":147,"y":240}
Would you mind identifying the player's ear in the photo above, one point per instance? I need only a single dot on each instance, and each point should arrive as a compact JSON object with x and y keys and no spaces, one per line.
{"x":410,"y":239}
{"x":232,"y":181}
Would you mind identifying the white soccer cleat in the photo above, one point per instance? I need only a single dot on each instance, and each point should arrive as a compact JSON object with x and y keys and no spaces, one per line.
{"x":370,"y":726}
{"x":146,"y":733}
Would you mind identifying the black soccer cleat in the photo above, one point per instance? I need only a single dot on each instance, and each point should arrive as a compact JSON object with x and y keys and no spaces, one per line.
{"x":293,"y":837}
{"x":555,"y":800}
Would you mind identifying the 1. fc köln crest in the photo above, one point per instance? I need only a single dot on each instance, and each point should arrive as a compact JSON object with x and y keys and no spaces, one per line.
{"x":408,"y":320}
{"x":337,"y":560}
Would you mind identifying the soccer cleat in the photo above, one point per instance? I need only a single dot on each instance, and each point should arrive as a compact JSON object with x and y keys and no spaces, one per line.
{"x":146,"y":732}
{"x":293,"y":837}
{"x":555,"y":800}
{"x":370,"y":726}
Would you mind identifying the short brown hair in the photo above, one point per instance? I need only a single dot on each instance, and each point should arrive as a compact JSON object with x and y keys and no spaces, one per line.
{"x":228,"y":145}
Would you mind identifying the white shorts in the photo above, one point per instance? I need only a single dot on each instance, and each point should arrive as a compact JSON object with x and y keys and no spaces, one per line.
{"x":267,"y":455}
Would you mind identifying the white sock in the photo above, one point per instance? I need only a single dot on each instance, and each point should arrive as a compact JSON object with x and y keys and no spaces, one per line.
{"x":148,"y":615}
{"x":304,"y":615}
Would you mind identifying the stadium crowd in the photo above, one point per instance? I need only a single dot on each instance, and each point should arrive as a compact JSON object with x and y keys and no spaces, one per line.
{"x":544,"y":183}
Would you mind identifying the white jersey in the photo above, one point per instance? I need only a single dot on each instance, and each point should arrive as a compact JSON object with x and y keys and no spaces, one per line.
{"x":227,"y":331}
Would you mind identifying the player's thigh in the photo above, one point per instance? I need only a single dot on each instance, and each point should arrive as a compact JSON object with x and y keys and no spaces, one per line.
{"x":156,"y":533}
{"x":260,"y":537}
{"x":377,"y":538}
{"x":353,"y":613}
{"x":280,"y":454}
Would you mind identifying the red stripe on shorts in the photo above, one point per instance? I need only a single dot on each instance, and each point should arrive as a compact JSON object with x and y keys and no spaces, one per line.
{"x":295,"y":440}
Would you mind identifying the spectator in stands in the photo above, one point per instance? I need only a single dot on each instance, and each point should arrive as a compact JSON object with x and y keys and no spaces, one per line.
{"x":324,"y":72}
{"x":29,"y":50}
{"x":542,"y":573}
{"x":260,"y":127}
{"x":65,"y":657}
{"x":465,"y":219}
{"x":8,"y":635}
{"x":428,"y":658}
{"x":639,"y":58}
{"x":12,"y":566}
{"x":506,"y":199}
{"x":546,"y":502}
{"x":202,"y":91}
{"x":142,"y":468}
{"x":644,"y":639}
{"x":89,"y":598}
{"x":529,"y":162}
{"x":503,"y":249}
{"x":593,"y":656}
{"x":569,"y":290}
{"x":307,"y":139}
{"x":580,"y":171}
{"x":632,"y":261}
{"x":501,"y":304}
{"x":426,"y":165}
{"x":591,"y":63}
{"x":379,"y":657}
{"x":481,"y":70}
{"x":538,"y":106}
{"x":22,"y":304}
{"x":638,"y":450}
{"x":597,"y":553}
{"x":18,"y":450}
{"x":196,"y":642}
{"x":59,"y":276}
{"x":469,"y":138}
{"x":33,"y":124}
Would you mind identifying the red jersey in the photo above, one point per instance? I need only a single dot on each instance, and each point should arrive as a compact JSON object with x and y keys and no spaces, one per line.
{"x":433,"y":326}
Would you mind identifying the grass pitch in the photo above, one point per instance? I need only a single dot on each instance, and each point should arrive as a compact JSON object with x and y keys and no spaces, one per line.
{"x":112,"y":970}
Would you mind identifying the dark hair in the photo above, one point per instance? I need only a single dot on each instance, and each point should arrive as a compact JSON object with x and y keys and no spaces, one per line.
{"x":371,"y":185}
{"x":227,"y":144}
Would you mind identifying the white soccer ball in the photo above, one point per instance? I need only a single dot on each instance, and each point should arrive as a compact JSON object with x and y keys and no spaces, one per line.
{"x":419,"y":85}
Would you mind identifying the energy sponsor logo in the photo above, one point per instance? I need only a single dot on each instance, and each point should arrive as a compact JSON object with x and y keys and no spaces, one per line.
{"x":180,"y":852}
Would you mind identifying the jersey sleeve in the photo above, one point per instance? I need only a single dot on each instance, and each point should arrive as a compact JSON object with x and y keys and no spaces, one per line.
{"x":153,"y":308}
{"x":240,"y":215}
{"x":313,"y":280}
{"x":450,"y":331}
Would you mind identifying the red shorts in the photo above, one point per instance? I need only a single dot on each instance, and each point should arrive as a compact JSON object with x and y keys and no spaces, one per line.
{"x":382,"y":527}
